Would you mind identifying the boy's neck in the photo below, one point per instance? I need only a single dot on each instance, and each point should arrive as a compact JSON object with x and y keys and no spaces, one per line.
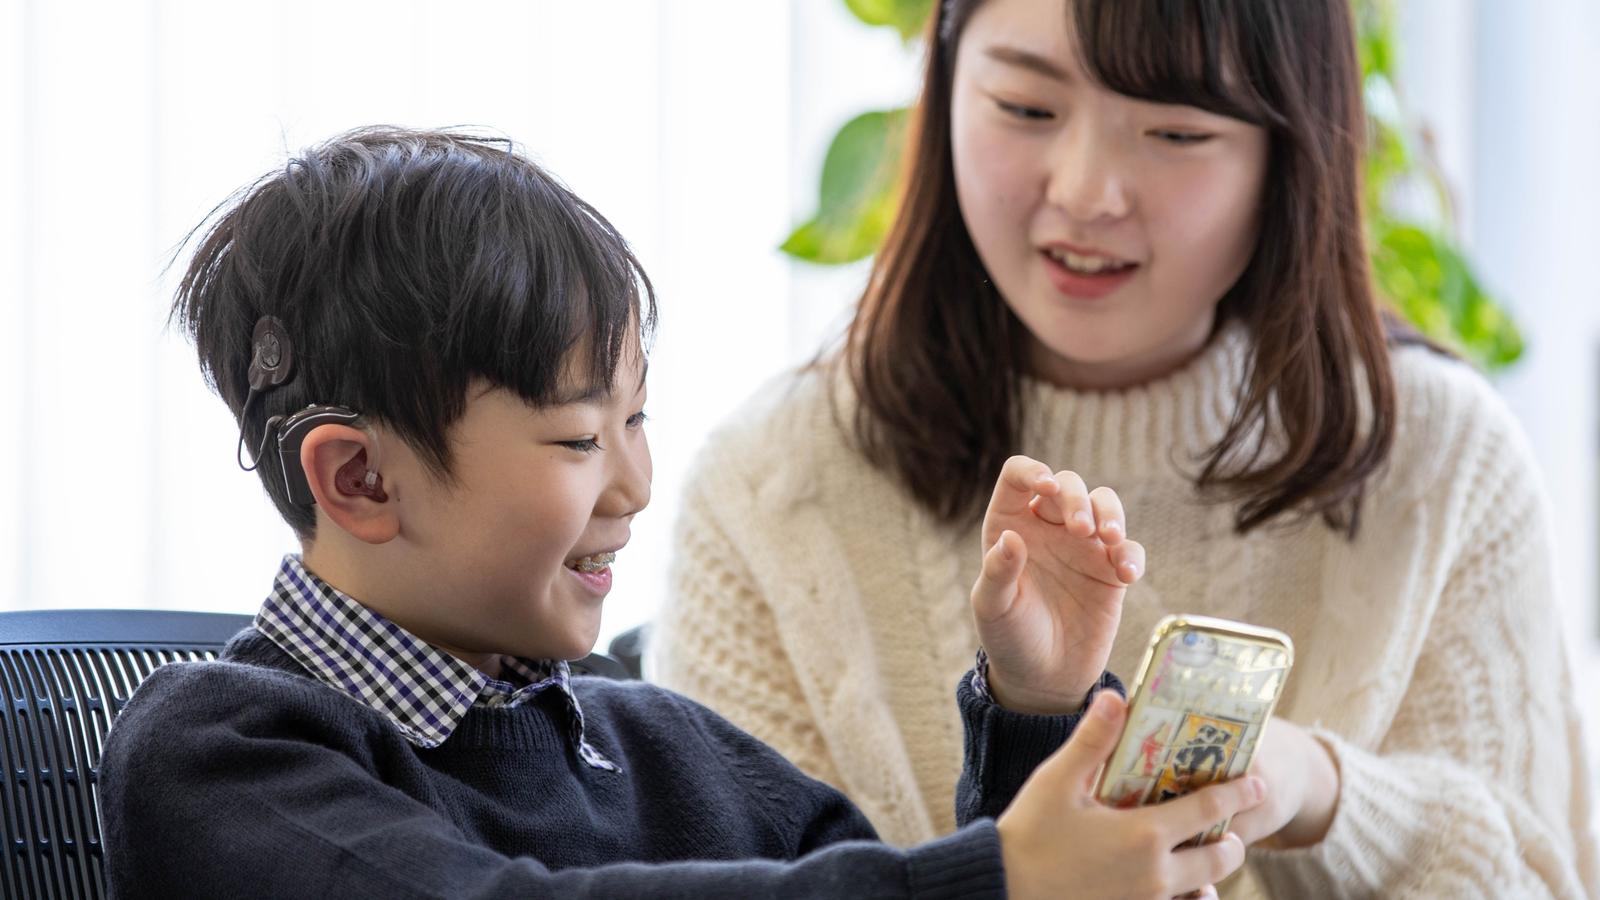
{"x":348,"y":576}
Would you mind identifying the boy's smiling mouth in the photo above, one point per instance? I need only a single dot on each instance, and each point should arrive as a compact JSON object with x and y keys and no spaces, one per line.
{"x":593,"y":564}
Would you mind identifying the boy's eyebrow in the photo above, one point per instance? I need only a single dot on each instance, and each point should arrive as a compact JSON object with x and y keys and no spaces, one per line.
{"x":595,"y":393}
{"x":1022,"y":59}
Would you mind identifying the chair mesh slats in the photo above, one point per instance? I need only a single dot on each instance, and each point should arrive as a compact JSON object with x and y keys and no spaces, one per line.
{"x":59,"y":702}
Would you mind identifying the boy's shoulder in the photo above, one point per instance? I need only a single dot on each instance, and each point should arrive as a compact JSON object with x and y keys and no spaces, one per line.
{"x":252,"y":688}
{"x":651,"y":720}
{"x":648,"y":710}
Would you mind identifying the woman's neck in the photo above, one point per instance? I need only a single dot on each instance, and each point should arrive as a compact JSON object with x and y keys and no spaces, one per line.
{"x":1059,"y":371}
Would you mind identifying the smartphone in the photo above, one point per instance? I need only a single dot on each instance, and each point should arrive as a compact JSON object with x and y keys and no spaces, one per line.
{"x":1204,"y":693}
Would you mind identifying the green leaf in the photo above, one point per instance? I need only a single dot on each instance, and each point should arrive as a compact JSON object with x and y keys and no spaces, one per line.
{"x":858,"y":198}
{"x":1431,"y":283}
{"x":905,"y":16}
{"x":1375,"y":36}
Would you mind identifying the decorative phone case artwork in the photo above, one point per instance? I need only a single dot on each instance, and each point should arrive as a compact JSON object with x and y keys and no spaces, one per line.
{"x":1198,"y":721}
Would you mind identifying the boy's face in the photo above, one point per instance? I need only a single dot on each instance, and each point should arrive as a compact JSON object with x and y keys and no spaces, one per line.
{"x":510,"y":556}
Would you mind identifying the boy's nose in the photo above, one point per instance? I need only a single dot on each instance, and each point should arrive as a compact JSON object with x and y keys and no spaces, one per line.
{"x":629,"y":491}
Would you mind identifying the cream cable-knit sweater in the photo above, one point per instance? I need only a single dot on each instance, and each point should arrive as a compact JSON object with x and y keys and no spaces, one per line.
{"x":816,"y":606}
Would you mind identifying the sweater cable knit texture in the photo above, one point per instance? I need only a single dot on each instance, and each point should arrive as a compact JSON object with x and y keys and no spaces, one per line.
{"x":818,"y":607}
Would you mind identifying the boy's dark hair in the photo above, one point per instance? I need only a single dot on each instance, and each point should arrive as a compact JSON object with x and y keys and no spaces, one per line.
{"x":404,"y":264}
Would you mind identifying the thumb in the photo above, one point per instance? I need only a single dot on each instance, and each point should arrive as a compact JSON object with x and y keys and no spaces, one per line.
{"x":1091,"y":743}
{"x":996,"y":588}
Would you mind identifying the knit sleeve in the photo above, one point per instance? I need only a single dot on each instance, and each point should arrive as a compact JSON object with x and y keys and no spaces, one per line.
{"x":1480,"y":786}
{"x":717,"y":640}
{"x":1004,"y":747}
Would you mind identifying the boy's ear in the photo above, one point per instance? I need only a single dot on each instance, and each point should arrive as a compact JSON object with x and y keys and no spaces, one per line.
{"x":337,"y":460}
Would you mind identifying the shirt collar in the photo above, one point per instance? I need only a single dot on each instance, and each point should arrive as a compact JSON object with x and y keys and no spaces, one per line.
{"x":424,"y":691}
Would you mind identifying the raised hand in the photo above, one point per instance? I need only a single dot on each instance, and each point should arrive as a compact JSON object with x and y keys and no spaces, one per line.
{"x":1056,"y":565}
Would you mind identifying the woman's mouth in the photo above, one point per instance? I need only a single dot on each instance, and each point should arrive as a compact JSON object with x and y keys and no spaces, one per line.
{"x":1085,"y":276}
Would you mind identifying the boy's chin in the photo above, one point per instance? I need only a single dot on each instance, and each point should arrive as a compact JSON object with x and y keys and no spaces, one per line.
{"x":574,"y":644}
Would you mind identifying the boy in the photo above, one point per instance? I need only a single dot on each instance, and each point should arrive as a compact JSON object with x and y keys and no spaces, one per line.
{"x":435,"y":354}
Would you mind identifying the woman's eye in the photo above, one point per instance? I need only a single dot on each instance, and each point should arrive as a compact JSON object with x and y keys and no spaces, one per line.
{"x":1181,"y":138}
{"x":637,"y":419}
{"x":587,"y":445}
{"x":1026,"y":113}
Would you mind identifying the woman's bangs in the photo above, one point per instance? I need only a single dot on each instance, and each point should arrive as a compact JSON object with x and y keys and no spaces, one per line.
{"x":1180,"y":52}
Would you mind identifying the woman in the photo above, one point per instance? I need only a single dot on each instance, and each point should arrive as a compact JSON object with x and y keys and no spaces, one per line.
{"x":1131,"y":246}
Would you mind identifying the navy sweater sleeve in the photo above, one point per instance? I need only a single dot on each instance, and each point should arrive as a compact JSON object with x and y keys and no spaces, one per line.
{"x":210,"y":790}
{"x":1004,"y":747}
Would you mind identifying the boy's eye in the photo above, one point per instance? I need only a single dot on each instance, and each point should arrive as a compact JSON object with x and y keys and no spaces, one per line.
{"x":637,"y":419}
{"x":1181,"y":138}
{"x":587,"y":445}
{"x":1026,"y":113}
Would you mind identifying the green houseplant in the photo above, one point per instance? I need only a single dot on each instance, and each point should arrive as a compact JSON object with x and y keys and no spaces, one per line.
{"x":1417,"y":262}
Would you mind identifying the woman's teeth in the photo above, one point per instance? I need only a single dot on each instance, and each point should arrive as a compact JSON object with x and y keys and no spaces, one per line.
{"x":597,"y":563}
{"x":1086,"y":265}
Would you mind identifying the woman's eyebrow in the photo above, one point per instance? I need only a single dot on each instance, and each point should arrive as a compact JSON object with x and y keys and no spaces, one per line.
{"x":1023,"y":59}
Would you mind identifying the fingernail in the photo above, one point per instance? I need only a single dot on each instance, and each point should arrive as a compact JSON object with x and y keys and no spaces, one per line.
{"x":1005,"y":549}
{"x":1258,"y":788}
{"x":1113,"y":527}
{"x":1083,"y":518}
{"x":1132,"y":569}
{"x":1099,"y":708}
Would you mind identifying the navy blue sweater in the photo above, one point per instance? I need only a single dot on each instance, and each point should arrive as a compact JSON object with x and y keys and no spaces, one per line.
{"x":246,"y":777}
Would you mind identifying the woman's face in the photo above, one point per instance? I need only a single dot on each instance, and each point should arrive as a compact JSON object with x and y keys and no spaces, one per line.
{"x":1111,"y":226}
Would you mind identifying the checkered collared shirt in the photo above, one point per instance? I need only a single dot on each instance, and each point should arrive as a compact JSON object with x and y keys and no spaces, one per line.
{"x":424,"y":691}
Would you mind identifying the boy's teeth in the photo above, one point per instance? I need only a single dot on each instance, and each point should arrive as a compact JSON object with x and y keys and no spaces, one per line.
{"x":1088,"y":265}
{"x":597,"y":563}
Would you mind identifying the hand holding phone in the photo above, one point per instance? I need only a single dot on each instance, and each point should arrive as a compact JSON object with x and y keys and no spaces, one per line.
{"x":1056,"y":840}
{"x":1204,"y":694}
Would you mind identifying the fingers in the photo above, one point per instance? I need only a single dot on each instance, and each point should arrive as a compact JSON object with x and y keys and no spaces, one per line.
{"x":1258,"y":824}
{"x":1069,"y":507}
{"x":1111,"y":523}
{"x":996,"y":587}
{"x":1187,"y":816}
{"x":1020,"y":480}
{"x":1060,"y":499}
{"x":1091,"y":742}
{"x":1128,"y":559}
{"x":1197,"y":868}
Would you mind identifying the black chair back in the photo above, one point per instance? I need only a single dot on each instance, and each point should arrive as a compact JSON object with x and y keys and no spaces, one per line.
{"x":66,"y":674}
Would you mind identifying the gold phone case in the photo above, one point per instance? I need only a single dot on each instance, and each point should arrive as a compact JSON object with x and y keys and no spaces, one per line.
{"x":1205,"y":690}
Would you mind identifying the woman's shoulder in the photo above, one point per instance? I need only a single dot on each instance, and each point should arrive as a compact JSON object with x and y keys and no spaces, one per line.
{"x":784,"y":439}
{"x":1451,"y":426}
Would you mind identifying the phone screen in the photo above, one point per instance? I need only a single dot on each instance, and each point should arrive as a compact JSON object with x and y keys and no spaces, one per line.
{"x":1203,"y":696}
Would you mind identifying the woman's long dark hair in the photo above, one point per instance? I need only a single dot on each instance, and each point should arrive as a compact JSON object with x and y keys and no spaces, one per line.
{"x":936,"y":356}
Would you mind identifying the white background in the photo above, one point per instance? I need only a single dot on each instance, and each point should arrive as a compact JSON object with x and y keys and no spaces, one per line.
{"x":698,"y":127}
